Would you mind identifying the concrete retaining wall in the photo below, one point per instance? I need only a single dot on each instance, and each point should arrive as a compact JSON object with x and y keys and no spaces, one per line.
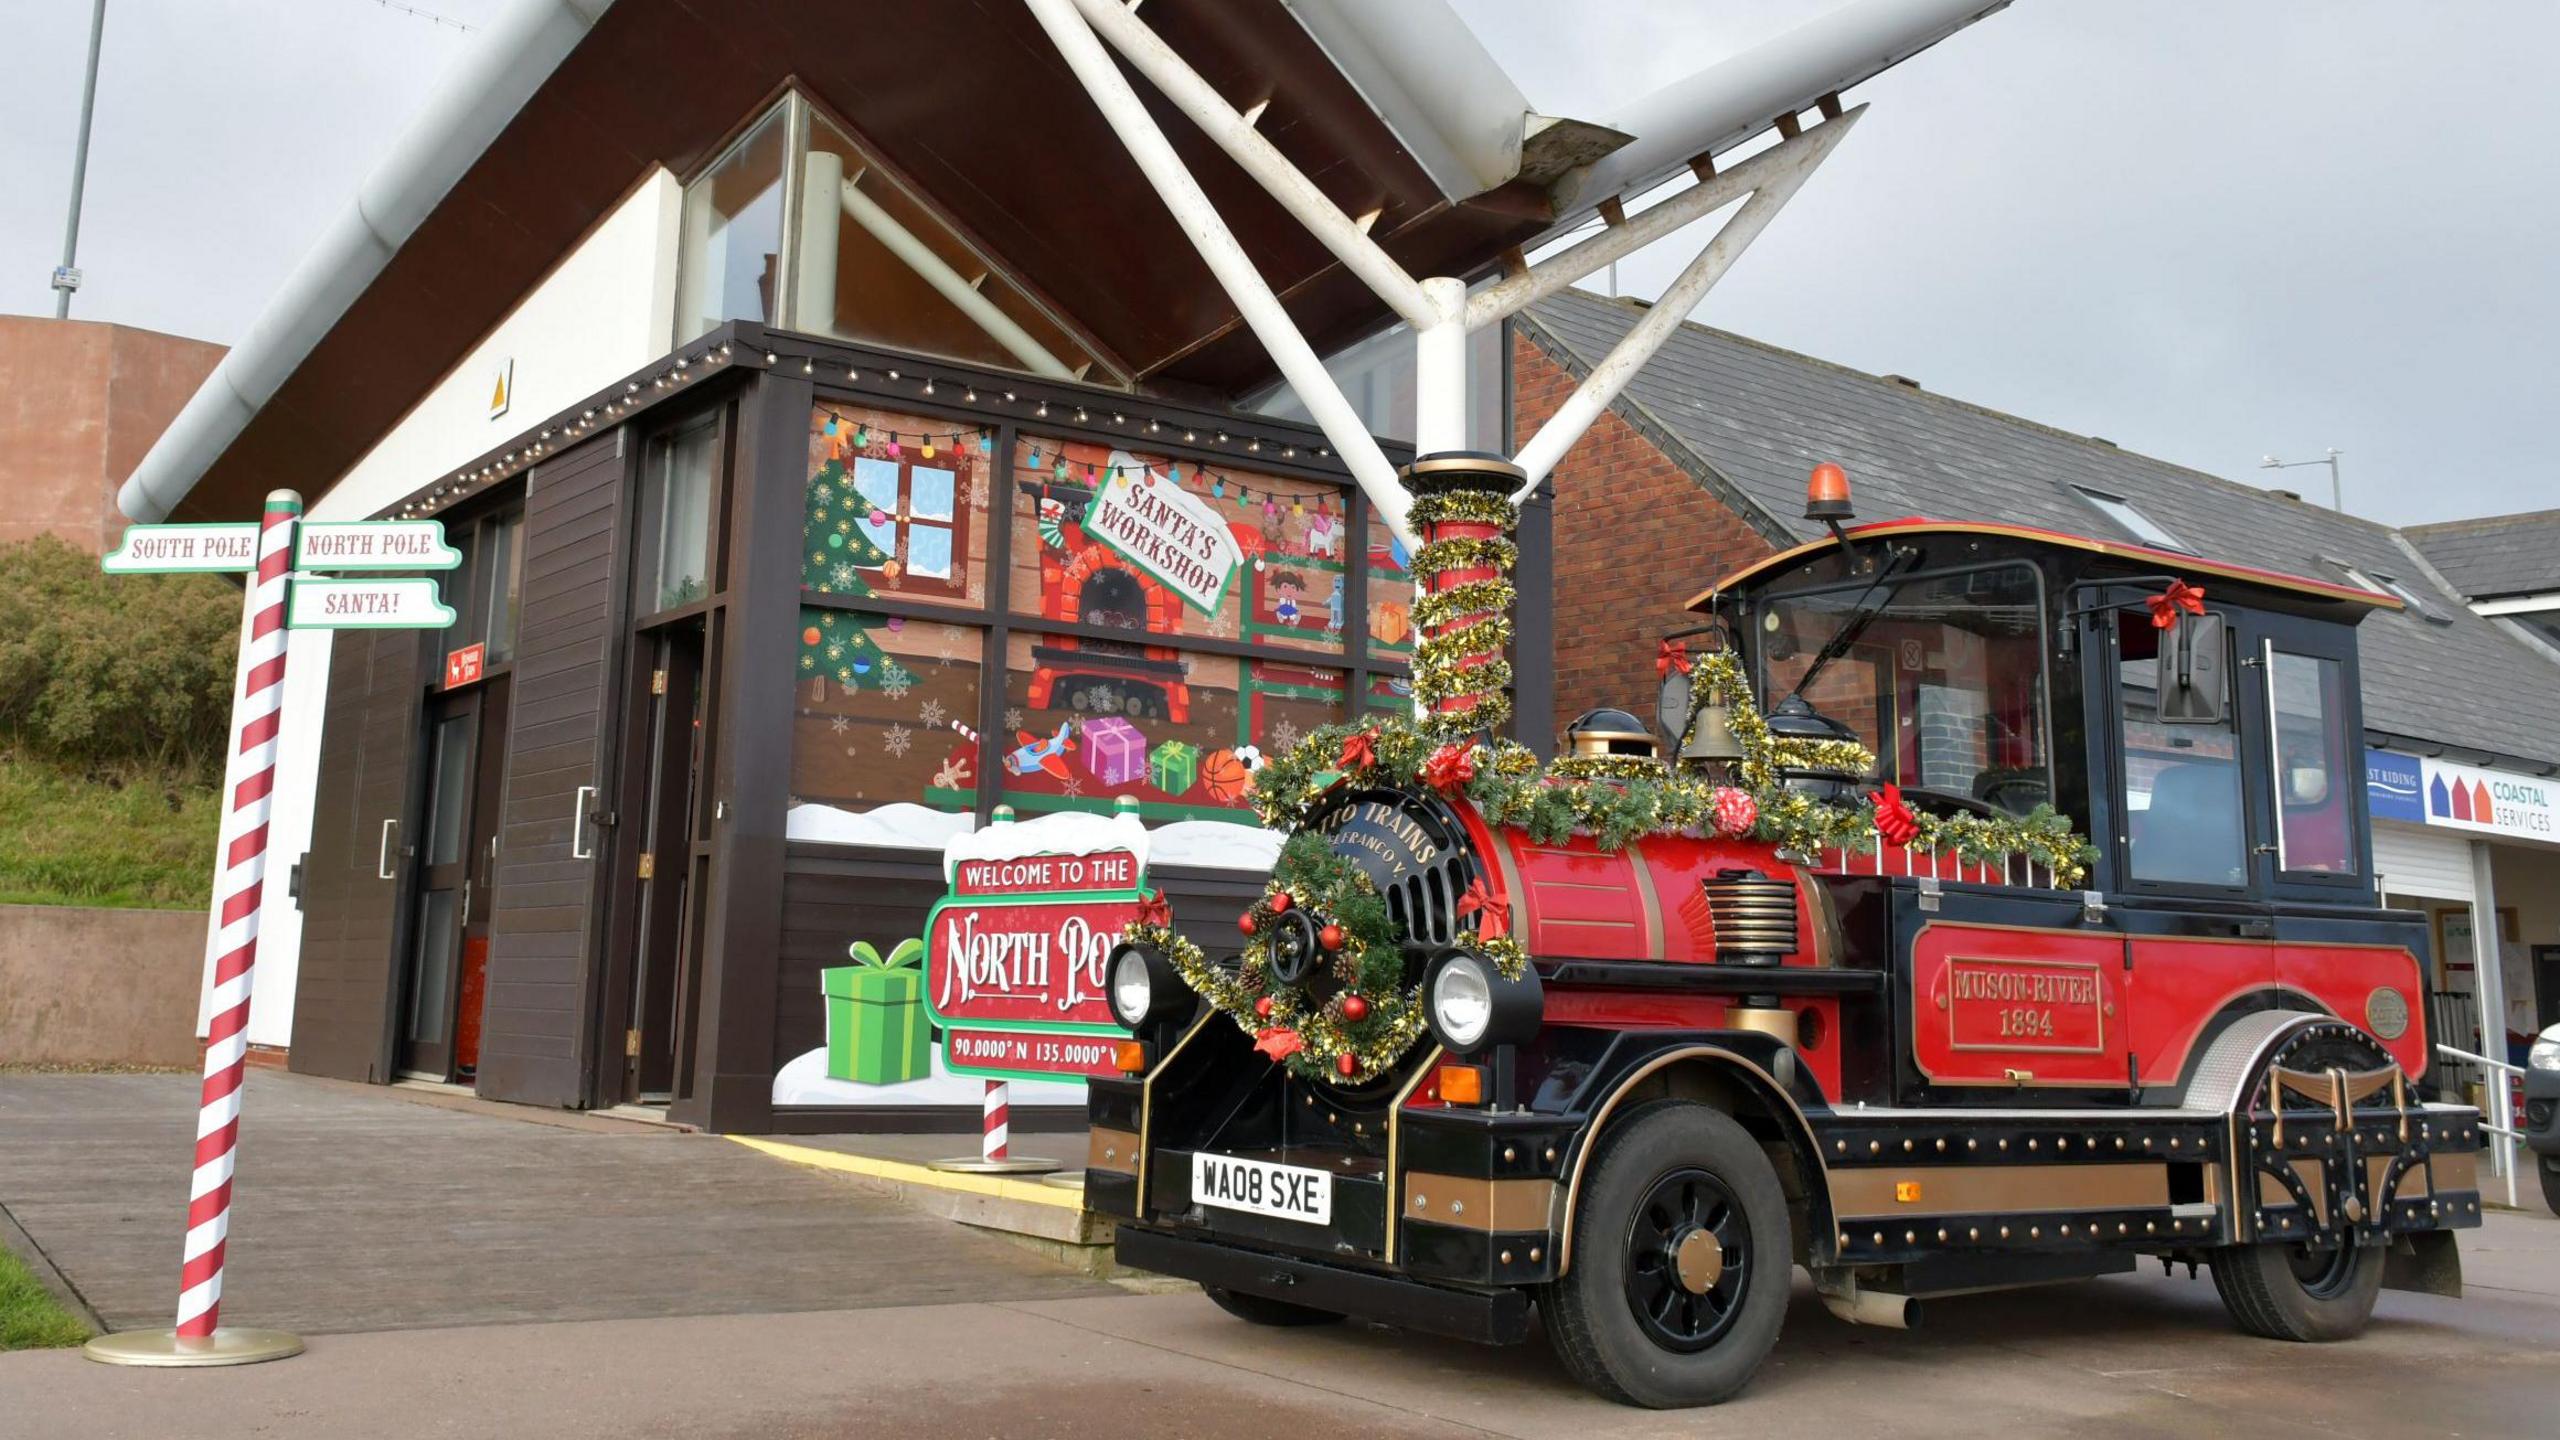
{"x":99,"y":987}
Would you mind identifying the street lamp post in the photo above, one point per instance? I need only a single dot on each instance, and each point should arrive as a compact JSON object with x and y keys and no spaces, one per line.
{"x":66,"y":276}
{"x":2337,"y":492}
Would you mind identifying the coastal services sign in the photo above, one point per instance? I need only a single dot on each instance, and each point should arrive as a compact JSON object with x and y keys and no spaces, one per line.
{"x":2461,"y":797}
{"x":1014,"y":953}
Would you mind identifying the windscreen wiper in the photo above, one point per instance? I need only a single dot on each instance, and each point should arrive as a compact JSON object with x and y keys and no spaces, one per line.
{"x":1866,"y":609}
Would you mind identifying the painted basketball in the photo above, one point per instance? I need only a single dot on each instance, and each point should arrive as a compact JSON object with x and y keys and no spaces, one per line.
{"x":1227,"y":776}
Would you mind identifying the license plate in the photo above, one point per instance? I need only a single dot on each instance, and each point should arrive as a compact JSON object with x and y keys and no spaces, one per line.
{"x":1284,"y":1192}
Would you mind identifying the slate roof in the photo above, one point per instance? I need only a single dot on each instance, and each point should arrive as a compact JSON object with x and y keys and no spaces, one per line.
{"x":1749,"y":420}
{"x":2495,"y":555}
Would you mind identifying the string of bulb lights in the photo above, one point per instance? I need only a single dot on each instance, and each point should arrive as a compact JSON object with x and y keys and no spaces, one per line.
{"x":688,"y":368}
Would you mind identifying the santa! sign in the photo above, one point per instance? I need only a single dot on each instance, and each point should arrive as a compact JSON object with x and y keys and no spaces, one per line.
{"x":1169,"y":533}
{"x":1015,"y":953}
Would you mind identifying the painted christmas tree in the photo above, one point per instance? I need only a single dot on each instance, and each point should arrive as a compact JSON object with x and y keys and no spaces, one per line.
{"x":836,"y":550}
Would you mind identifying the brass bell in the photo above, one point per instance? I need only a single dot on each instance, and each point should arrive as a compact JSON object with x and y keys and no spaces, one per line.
{"x":1711,"y":737}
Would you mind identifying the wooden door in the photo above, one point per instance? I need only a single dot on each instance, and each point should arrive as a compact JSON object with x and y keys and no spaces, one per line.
{"x":353,"y":877}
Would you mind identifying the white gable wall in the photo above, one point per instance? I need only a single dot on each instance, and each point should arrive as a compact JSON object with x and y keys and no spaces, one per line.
{"x":606,"y":310}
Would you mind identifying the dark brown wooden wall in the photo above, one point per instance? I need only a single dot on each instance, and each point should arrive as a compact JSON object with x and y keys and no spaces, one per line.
{"x":539,"y":1017}
{"x":352,"y":918}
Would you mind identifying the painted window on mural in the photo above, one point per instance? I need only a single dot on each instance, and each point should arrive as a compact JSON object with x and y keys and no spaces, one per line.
{"x":1111,"y":537}
{"x":1087,"y":721}
{"x":896,"y":505}
{"x":885,"y":711}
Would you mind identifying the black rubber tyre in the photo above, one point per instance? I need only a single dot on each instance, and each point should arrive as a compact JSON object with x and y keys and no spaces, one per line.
{"x":1263,"y":1311}
{"x":2293,"y":1292}
{"x":2549,"y":1169}
{"x":1621,"y":1320}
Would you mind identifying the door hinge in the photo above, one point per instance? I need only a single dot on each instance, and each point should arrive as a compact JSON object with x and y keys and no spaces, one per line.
{"x":657,"y":682}
{"x":631,"y":1043}
{"x":648,"y":865}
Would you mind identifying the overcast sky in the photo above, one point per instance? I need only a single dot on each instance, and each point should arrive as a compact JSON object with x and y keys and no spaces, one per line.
{"x":2204,"y":231}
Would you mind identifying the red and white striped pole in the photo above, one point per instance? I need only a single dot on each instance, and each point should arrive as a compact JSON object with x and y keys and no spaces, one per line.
{"x":240,"y":872}
{"x":995,"y":1140}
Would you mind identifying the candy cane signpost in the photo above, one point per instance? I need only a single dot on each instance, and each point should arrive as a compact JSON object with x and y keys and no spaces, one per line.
{"x":280,"y":600}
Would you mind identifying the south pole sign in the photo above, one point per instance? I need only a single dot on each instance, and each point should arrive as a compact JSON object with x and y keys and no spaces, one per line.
{"x":275,"y":552}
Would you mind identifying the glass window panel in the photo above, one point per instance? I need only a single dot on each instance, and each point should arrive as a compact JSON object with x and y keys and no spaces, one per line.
{"x":2183,"y":817}
{"x":879,"y":265}
{"x":683,"y":467}
{"x":1287,"y":589}
{"x":729,"y":260}
{"x":2315,"y":827}
{"x":2140,"y":526}
{"x":895,"y":505}
{"x":1376,"y":377}
{"x":452,"y":790}
{"x":1086,"y":722}
{"x":504,"y":585}
{"x":431,"y":978}
{"x":878,"y":711}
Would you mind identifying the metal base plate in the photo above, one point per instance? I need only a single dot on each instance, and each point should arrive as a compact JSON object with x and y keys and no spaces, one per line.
{"x":1065,"y":1180}
{"x":228,"y":1346}
{"x":978,"y":1165}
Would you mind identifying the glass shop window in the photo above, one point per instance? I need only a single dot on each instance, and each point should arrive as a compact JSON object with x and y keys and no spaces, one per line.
{"x":885,"y":711}
{"x":876,"y":264}
{"x":2315,"y":828}
{"x":485,"y":589}
{"x":1086,"y":722}
{"x":2184,"y":820}
{"x":1170,"y":549}
{"x":678,"y":489}
{"x":895,"y":506}
{"x":729,"y":262}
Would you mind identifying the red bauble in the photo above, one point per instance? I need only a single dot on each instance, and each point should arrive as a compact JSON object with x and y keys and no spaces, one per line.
{"x":1244,"y":922}
{"x":1330,"y":937}
{"x":1349,"y":1065}
{"x":1354,"y":1008}
{"x":1735,"y":812}
{"x":1279,"y":902}
{"x":1262,"y":1008}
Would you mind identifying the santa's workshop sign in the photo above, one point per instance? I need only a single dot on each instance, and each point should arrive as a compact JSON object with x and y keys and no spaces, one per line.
{"x":1168,"y":532}
{"x":1015,"y":951}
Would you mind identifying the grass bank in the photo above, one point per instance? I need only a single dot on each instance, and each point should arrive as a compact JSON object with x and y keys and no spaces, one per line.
{"x":29,"y":1317}
{"x":132,"y":840}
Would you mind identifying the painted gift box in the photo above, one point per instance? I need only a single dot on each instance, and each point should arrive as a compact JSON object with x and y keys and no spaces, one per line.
{"x":1174,"y":766}
{"x":877,"y":1033}
{"x":1114,"y":752}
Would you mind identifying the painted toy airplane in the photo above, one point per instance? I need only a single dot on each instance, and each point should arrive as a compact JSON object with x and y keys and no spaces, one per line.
{"x":1038,"y":754}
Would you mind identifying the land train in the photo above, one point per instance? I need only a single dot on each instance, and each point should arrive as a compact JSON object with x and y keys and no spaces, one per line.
{"x":1914,"y":1074}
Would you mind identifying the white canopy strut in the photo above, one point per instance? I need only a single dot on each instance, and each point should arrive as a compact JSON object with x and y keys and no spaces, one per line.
{"x":1438,"y":308}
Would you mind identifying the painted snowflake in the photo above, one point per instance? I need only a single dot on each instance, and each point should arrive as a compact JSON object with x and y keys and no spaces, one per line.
{"x":842,"y":574}
{"x":931,"y":715}
{"x":837,"y":724}
{"x":1013,"y":717}
{"x":896,"y":680}
{"x":1284,"y":735}
{"x":1072,"y":786}
{"x":898,"y":739}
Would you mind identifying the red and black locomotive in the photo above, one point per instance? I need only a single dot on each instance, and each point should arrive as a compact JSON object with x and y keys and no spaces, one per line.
{"x":1913,"y":1071}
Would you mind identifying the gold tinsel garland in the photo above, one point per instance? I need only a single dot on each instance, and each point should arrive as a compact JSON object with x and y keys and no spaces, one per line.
{"x":1466,"y":628}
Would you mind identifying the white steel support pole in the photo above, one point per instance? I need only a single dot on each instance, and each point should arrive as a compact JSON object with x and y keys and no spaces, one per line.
{"x":1261,"y":310}
{"x":2489,"y":989}
{"x":1440,"y":370}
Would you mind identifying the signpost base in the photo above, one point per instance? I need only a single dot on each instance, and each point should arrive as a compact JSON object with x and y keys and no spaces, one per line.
{"x":162,"y":1348}
{"x":981,"y":1165}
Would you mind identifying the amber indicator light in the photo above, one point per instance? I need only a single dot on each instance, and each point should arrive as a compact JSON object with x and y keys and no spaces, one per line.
{"x":1462,"y":1084}
{"x":1906,"y":1192}
{"x":1130,"y":1056}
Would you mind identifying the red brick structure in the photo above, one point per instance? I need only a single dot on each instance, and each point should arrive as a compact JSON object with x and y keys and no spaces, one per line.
{"x":1635,"y":536}
{"x":79,"y":404}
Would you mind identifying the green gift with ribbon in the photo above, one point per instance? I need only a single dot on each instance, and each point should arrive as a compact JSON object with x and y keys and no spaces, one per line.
{"x":877,"y":1033}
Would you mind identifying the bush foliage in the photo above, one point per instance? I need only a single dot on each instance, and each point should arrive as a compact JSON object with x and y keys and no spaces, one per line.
{"x":105,"y":674}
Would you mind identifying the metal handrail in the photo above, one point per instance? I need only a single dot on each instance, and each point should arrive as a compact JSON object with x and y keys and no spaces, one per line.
{"x":2507,"y":1132}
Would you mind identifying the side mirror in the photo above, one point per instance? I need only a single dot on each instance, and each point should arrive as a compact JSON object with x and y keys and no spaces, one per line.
{"x":2195,"y":672}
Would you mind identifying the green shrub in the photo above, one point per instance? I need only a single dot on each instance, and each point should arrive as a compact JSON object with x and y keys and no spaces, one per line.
{"x":100,"y":673}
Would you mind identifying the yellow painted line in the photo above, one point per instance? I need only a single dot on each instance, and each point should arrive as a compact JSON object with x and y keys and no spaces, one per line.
{"x":902,"y":1173}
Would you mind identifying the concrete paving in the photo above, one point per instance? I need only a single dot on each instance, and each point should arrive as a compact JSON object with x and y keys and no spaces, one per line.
{"x":2125,"y":1357}
{"x":364,"y":1208}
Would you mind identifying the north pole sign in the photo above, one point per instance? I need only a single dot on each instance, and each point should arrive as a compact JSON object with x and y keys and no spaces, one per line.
{"x":1015,"y":952}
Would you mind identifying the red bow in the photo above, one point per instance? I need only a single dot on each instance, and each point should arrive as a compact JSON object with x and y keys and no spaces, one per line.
{"x":1278,"y":1044}
{"x":2179,"y":596}
{"x":1894,"y":820}
{"x":1672,"y":656}
{"x":1360,"y":751}
{"x":1450,"y":767}
{"x":1479,"y":902}
{"x":1155,"y":910}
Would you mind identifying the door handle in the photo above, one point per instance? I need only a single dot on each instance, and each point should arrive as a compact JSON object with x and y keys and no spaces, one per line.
{"x":466,"y":900}
{"x":578,"y":848}
{"x":382,"y":853}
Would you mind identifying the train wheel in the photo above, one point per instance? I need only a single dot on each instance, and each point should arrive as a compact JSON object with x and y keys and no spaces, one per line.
{"x":2299,"y":1292}
{"x":1681,"y":1260}
{"x":1262,"y":1311}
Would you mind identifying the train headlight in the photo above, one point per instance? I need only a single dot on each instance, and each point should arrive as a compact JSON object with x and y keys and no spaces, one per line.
{"x":1472,"y":1006}
{"x":1143,"y":987}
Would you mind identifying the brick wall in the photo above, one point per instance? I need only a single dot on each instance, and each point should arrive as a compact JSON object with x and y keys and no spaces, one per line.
{"x":1635,"y":537}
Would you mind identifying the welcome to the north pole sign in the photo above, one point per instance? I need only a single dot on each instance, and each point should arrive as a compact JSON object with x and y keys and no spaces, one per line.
{"x":1015,"y":952}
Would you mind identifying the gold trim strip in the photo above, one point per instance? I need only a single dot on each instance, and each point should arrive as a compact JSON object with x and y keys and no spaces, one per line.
{"x":2454,"y":1170}
{"x":1395,"y":1143}
{"x":1647,"y":899}
{"x":1865,"y":1195}
{"x":1473,"y":1204}
{"x":1116,"y":1151}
